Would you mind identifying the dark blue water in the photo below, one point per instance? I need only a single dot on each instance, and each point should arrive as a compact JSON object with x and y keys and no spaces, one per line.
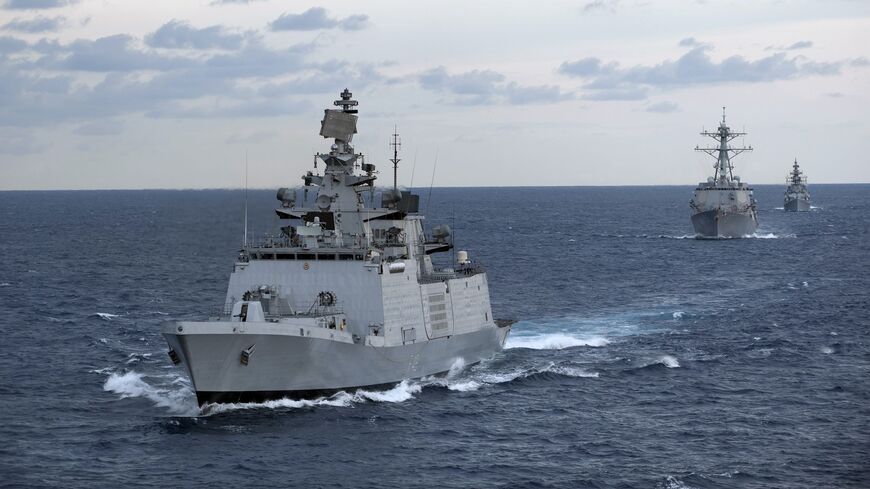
{"x":643,"y":358}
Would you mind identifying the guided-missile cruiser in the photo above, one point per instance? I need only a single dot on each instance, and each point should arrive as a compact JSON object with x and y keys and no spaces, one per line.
{"x":797,"y":197}
{"x":345,"y":296}
{"x":723,"y":206}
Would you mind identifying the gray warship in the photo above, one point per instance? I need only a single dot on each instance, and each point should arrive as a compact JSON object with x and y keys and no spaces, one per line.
{"x":345,"y":297}
{"x":723,"y":206}
{"x":797,"y":197}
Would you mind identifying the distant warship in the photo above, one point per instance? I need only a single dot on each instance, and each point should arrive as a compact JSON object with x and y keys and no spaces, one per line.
{"x":723,"y":206}
{"x":797,"y":197}
{"x":346,"y":296}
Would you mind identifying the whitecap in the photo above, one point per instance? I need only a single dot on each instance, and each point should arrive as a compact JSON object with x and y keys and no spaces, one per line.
{"x":105,"y":315}
{"x":679,"y":314}
{"x":827,"y":350}
{"x":402,"y":392}
{"x":770,"y":236}
{"x":5,"y":284}
{"x":669,"y":361}
{"x":131,"y":384}
{"x":553,"y":341}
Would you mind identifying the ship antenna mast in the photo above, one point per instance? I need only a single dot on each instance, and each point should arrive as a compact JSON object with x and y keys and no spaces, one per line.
{"x":246,"y":198}
{"x":724,"y":152}
{"x":396,"y":143}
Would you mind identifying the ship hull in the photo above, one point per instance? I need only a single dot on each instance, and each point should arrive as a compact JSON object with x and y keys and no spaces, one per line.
{"x":724,"y":224}
{"x":797,"y":205}
{"x":287,"y":365}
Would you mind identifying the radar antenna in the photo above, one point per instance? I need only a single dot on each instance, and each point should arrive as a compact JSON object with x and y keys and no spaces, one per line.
{"x":346,"y":103}
{"x":396,"y":143}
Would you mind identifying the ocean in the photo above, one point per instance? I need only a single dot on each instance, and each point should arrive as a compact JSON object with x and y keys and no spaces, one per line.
{"x":642,"y":358}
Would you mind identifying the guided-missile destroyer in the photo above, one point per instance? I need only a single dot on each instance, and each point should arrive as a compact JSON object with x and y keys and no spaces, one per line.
{"x":723,"y":206}
{"x":346,"y":296}
{"x":797,"y":197}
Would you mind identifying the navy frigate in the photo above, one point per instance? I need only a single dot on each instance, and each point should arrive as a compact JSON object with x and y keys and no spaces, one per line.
{"x":346,"y":296}
{"x":723,"y":206}
{"x":797,"y":197}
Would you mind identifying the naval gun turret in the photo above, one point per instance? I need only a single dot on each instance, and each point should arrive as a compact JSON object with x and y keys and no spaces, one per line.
{"x":723,"y":206}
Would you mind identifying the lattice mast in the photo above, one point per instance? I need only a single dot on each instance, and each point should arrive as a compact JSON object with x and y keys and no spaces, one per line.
{"x":724,"y":171}
{"x":395,"y":143}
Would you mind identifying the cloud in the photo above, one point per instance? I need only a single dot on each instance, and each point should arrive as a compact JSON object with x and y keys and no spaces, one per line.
{"x":689,"y":42}
{"x":316,"y":18}
{"x":600,"y":5}
{"x":610,"y":81}
{"x":19,"y":143}
{"x":835,"y":95}
{"x":177,"y":34}
{"x":37,"y":24}
{"x":663,"y":107}
{"x":100,"y":127}
{"x":232,"y":2}
{"x":537,"y":94}
{"x":106,"y":78}
{"x":477,"y":87}
{"x":860,"y":62}
{"x":792,"y":47}
{"x":36,"y":4}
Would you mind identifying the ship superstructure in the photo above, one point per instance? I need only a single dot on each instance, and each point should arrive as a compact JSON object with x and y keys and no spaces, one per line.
{"x":797,"y":197}
{"x":345,"y":296}
{"x":723,"y":206}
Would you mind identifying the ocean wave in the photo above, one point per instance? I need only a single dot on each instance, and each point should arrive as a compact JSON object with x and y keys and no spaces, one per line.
{"x":679,"y":314}
{"x":553,"y":341}
{"x":402,"y":392}
{"x":131,"y":384}
{"x":5,"y":284}
{"x":668,"y":361}
{"x":770,"y":236}
{"x":105,"y":315}
{"x":477,"y":380}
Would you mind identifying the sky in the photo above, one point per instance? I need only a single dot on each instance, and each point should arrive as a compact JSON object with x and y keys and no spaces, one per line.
{"x":111,"y":94}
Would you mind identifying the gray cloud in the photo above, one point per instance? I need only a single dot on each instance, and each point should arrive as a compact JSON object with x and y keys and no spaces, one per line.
{"x":136,"y":79}
{"x":479,"y":87}
{"x":232,"y":2}
{"x":253,"y":137}
{"x":791,"y":47}
{"x":689,"y":42}
{"x":317,"y":18}
{"x":600,"y":5}
{"x":609,"y":81}
{"x":860,"y":62}
{"x":36,"y":4}
{"x":663,"y":107}
{"x":177,"y":34}
{"x":100,"y":127}
{"x":37,"y":24}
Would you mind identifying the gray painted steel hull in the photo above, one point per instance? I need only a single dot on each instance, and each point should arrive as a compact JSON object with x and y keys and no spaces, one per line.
{"x":722,"y":224}
{"x":293,"y":366}
{"x":797,"y":205}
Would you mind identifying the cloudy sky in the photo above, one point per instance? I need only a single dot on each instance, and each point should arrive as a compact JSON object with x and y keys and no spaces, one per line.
{"x":172,"y":94}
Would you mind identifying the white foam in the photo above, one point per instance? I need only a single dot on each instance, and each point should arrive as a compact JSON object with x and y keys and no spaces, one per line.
{"x":132,"y":384}
{"x":769,"y":236}
{"x":105,"y":315}
{"x":341,"y":399}
{"x":679,"y":314}
{"x":668,"y":361}
{"x":465,"y":386}
{"x":554,"y":341}
{"x":573,"y":372}
{"x":5,"y":284}
{"x":827,"y":350}
{"x":402,"y":392}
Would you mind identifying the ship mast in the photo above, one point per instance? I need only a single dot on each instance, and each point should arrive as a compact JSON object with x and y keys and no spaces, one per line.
{"x":396,"y":143}
{"x":723,"y":153}
{"x":796,"y":178}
